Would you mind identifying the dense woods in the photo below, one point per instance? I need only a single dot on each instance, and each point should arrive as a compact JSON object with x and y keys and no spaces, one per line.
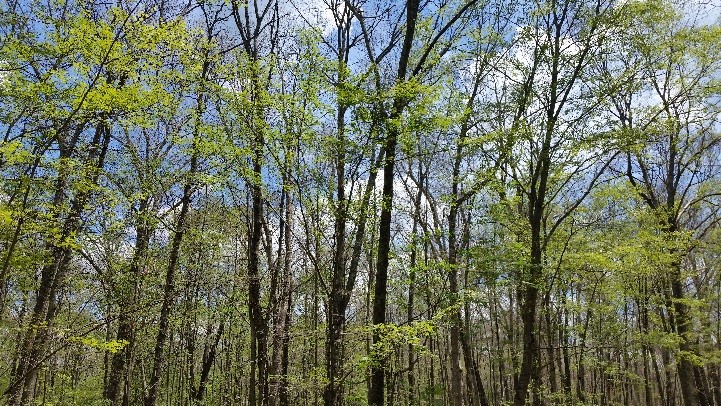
{"x":343,"y":202}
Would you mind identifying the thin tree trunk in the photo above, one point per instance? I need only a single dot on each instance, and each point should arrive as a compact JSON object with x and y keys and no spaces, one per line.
{"x":280,"y":314}
{"x":550,"y":344}
{"x":169,"y":286}
{"x":715,"y":383}
{"x":412,"y":282}
{"x":692,"y":396}
{"x":563,"y":332}
{"x":258,"y":324}
{"x":32,"y":350}
{"x":380,"y":290}
{"x":120,"y":359}
{"x":208,"y":363}
{"x":332,"y":393}
{"x":456,"y":393}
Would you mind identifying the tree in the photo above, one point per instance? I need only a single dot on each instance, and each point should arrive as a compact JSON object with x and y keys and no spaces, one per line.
{"x":191,"y":210}
{"x":669,"y":150}
{"x":92,"y":79}
{"x":550,"y":116}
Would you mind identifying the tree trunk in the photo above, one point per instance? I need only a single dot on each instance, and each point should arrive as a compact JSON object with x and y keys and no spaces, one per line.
{"x":332,"y":392}
{"x":528,"y":375}
{"x":380,"y":289}
{"x":281,"y":316}
{"x":412,"y":282}
{"x":258,"y":324}
{"x":169,"y":287}
{"x":32,"y":350}
{"x":208,"y":363}
{"x":120,"y":359}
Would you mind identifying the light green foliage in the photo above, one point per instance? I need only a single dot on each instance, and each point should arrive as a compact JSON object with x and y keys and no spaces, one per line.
{"x":111,"y":346}
{"x":393,"y":336}
{"x":167,"y":90}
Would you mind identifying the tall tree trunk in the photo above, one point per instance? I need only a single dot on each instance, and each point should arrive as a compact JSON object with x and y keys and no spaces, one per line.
{"x":344,"y":276}
{"x":208,"y":361}
{"x":336,"y":312}
{"x":412,"y":281}
{"x":283,"y":392}
{"x":257,"y":22}
{"x":715,"y":383}
{"x":565,"y":344}
{"x":169,"y":286}
{"x":478,"y":394}
{"x":456,"y":393}
{"x":457,"y":200}
{"x":258,"y":322}
{"x":550,"y":343}
{"x":32,"y":350}
{"x":120,"y":359}
{"x":529,"y":373}
{"x":690,"y":392}
{"x":474,"y":372}
{"x":376,"y":397}
{"x":281,"y":317}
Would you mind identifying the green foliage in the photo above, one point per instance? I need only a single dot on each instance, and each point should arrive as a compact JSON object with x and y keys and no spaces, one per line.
{"x":111,"y":346}
{"x":392,"y":337}
{"x":633,"y":80}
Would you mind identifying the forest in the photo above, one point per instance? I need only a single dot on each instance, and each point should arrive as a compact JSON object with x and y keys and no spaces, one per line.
{"x":360,"y":202}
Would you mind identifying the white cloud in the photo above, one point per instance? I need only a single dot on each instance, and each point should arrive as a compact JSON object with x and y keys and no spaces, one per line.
{"x":318,"y":13}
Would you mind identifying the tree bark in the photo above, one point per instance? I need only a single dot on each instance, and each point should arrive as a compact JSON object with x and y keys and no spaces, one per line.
{"x":31,"y":353}
{"x":169,"y":286}
{"x":208,"y":363}
{"x":376,"y":396}
{"x":121,"y":359}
